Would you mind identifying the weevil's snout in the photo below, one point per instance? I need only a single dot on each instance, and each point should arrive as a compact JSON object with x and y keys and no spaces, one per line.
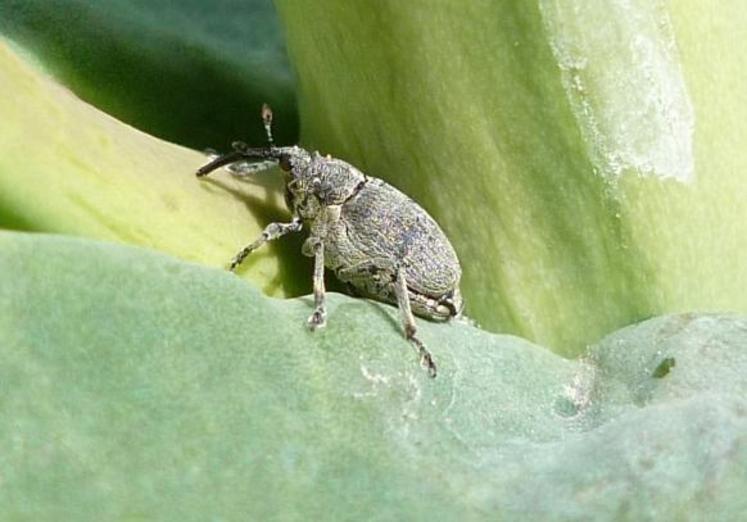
{"x":220,"y":161}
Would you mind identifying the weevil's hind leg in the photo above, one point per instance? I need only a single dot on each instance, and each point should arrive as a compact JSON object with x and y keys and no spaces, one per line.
{"x":408,"y":322}
{"x":319,"y":318}
{"x":271,"y":232}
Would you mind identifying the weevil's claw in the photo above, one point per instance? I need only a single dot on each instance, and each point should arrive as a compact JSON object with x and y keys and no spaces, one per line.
{"x":318,"y":319}
{"x":235,"y":262}
{"x":426,"y":361}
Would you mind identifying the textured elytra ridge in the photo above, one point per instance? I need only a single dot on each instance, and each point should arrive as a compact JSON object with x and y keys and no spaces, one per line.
{"x":139,"y":384}
{"x":621,"y":72}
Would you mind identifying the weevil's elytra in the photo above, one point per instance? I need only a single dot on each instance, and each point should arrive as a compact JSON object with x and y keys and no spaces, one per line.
{"x":371,"y":235}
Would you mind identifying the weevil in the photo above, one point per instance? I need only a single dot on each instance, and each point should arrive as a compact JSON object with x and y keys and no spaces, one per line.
{"x":372,"y":236}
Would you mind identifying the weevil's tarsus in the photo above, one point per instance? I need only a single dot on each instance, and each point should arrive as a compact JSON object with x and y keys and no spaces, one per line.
{"x":270,"y":233}
{"x":408,"y":322}
{"x":426,"y":359}
{"x":319,"y":317}
{"x":446,"y":307}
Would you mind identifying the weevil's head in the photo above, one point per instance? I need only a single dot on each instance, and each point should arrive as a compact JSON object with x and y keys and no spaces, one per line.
{"x":314,"y":181}
{"x":293,"y":161}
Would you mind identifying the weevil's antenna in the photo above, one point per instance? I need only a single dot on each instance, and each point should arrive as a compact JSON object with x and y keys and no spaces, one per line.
{"x":267,"y":121}
{"x":245,"y":160}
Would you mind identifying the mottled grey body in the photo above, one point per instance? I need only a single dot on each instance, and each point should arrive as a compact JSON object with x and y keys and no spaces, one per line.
{"x":374,"y":237}
{"x":372,"y":228}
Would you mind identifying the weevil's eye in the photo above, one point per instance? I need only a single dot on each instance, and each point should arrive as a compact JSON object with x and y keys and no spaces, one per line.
{"x":284,"y":162}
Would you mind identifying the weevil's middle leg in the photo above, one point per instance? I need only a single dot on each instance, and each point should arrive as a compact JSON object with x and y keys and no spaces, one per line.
{"x":408,"y":322}
{"x":319,"y":318}
{"x":271,"y":231}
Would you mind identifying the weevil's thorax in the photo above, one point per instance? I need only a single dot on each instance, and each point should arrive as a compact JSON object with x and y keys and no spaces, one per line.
{"x":315,"y":181}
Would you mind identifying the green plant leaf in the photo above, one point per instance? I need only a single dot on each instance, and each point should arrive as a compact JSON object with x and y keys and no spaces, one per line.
{"x":586,"y":158}
{"x":191,"y":72}
{"x":67,"y":167}
{"x":136,"y":386}
{"x":586,"y":181}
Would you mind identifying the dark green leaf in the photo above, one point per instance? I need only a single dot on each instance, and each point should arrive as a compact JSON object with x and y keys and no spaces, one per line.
{"x":191,"y":72}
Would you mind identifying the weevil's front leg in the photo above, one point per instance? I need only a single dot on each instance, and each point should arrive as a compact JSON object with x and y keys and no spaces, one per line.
{"x":271,"y":231}
{"x":319,"y":318}
{"x":247,"y":169}
{"x":408,"y":322}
